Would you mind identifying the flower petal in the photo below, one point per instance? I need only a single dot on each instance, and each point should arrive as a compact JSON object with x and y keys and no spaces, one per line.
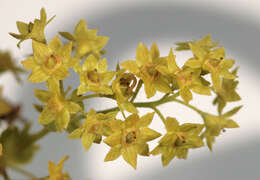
{"x":29,"y":63}
{"x":87,"y":139}
{"x":130,"y":155}
{"x":147,"y":134}
{"x":38,"y":75}
{"x":146,"y":120}
{"x":40,"y":51}
{"x":143,"y":149}
{"x":42,"y":95}
{"x":113,"y":154}
{"x":113,"y":139}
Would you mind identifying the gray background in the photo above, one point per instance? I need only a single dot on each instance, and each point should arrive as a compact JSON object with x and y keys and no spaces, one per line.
{"x":235,"y":154}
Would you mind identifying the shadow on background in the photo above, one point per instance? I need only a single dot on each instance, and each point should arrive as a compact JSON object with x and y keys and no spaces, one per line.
{"x":128,"y":26}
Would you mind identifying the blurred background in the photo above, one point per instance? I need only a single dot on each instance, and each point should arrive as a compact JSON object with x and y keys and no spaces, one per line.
{"x":235,"y":23}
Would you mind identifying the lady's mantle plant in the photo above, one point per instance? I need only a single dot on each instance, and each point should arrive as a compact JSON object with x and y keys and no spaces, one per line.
{"x":208,"y":72}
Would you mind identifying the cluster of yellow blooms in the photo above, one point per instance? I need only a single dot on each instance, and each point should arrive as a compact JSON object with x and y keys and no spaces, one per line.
{"x":63,"y":110}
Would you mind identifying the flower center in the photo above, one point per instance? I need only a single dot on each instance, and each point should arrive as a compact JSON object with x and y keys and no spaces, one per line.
{"x":95,"y":128}
{"x":151,"y":71}
{"x":51,"y":63}
{"x":185,"y":79}
{"x":94,"y":76}
{"x":130,"y":137}
{"x":213,"y":64}
{"x":181,"y":139}
{"x":55,"y":105}
{"x":127,"y":84}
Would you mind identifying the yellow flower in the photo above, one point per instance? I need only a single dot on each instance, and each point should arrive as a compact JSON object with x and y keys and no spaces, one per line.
{"x":95,"y":126}
{"x":147,"y":67}
{"x":189,"y":79}
{"x":33,"y":31}
{"x":210,"y":60}
{"x":214,"y":124}
{"x":185,"y":78}
{"x":227,"y":93}
{"x":130,"y":139}
{"x":94,"y":77}
{"x":55,"y":171}
{"x":198,"y":47}
{"x":178,"y":140}
{"x":50,"y":61}
{"x":87,"y":40}
{"x":219,"y":69}
{"x":122,"y":87}
{"x":57,"y":108}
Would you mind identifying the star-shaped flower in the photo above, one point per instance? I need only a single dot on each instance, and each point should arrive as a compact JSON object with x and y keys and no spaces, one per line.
{"x":178,"y":140}
{"x":94,"y":76}
{"x":55,"y":171}
{"x":219,"y":69}
{"x":34,"y":30}
{"x":122,"y":88}
{"x":57,"y":109}
{"x":186,"y":78}
{"x":86,"y":40}
{"x":147,"y":67}
{"x":95,"y":126}
{"x":214,"y":124}
{"x":130,"y":139}
{"x":50,"y":61}
{"x":211,"y":61}
{"x":227,"y":93}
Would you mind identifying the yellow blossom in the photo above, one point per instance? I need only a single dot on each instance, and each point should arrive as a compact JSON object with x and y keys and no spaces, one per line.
{"x":122,"y":87}
{"x":178,"y":140}
{"x":50,"y":61}
{"x":31,"y":30}
{"x":86,"y":40}
{"x":57,"y":108}
{"x":94,"y":76}
{"x":55,"y":171}
{"x":95,"y":126}
{"x":130,"y":139}
{"x":147,"y":67}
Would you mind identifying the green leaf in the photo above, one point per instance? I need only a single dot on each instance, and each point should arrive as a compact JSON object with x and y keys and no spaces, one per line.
{"x":19,"y":146}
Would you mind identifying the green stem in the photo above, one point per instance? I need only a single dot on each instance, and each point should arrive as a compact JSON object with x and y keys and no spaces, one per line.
{"x":81,"y":98}
{"x":154,"y":104}
{"x":61,"y":87}
{"x":190,"y":106}
{"x":158,"y":112}
{"x":139,"y":85}
{"x":109,"y":110}
{"x":21,"y":171}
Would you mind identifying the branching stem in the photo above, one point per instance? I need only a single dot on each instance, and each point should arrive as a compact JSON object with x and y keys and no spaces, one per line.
{"x":154,"y":104}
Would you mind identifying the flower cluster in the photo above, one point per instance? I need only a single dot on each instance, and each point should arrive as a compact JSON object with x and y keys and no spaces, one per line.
{"x":207,"y":72}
